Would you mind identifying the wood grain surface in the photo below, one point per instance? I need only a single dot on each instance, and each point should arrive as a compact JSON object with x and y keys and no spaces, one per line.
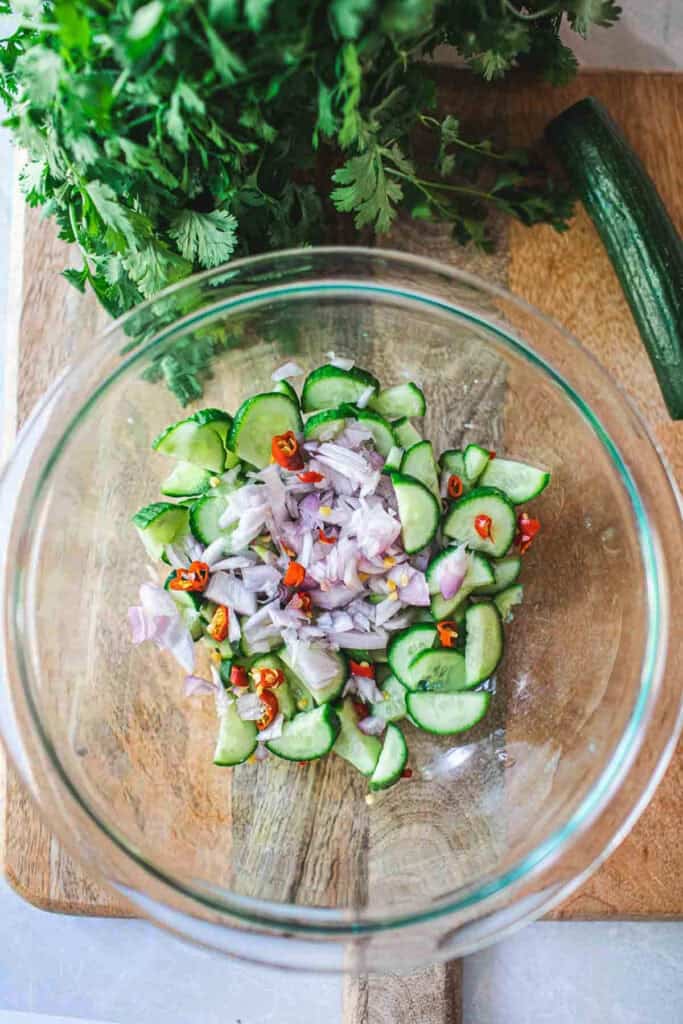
{"x":567,"y":276}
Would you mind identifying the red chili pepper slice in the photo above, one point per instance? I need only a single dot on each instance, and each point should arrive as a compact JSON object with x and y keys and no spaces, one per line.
{"x":294,"y":576}
{"x":310,"y":477}
{"x":492,"y":455}
{"x":238,"y":676}
{"x":448,"y":633}
{"x":271,"y":706}
{"x":267,"y":678}
{"x":362,"y":668}
{"x":286,"y":452}
{"x":454,"y":486}
{"x":324,"y":539}
{"x":220,"y":621}
{"x":361,"y":709}
{"x":527,"y":528}
{"x":483,"y":525}
{"x":302,"y":603}
{"x":193,"y":579}
{"x":407,"y":773}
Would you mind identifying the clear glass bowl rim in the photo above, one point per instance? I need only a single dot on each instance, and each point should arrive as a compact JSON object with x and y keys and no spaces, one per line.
{"x":304,"y":919}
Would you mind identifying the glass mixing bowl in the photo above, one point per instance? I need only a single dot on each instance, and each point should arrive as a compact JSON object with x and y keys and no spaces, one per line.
{"x":294,"y":865}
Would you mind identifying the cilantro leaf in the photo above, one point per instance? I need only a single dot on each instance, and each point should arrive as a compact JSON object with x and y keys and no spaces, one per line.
{"x":366,"y":191}
{"x":205,"y":238}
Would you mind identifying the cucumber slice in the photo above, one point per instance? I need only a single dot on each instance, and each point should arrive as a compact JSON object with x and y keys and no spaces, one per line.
{"x":484,"y":647}
{"x":382,"y":433}
{"x":224,"y":670}
{"x":332,"y":689}
{"x":204,"y":516}
{"x":505,"y":572}
{"x":283,"y":387}
{"x":329,"y":386}
{"x":441,"y":670}
{"x":325,"y":425}
{"x":401,"y":400}
{"x":518,"y":480}
{"x":393,"y":707}
{"x":506,"y":600}
{"x":479,"y":574}
{"x":308,"y":736}
{"x":285,"y":697}
{"x":405,"y":433}
{"x":185,"y":480}
{"x":257,"y":421}
{"x":353,"y":745}
{"x":217,"y":419}
{"x":159,"y":524}
{"x":392,"y":759}
{"x":447,"y":713}
{"x":190,"y":441}
{"x":404,"y":646}
{"x":419,"y":462}
{"x":459,"y":521}
{"x":418,"y":511}
{"x":236,"y":738}
{"x":453,"y":461}
{"x":392,"y":463}
{"x":476,"y":460}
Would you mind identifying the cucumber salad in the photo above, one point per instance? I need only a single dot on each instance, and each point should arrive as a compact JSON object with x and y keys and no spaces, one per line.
{"x":325,"y":577}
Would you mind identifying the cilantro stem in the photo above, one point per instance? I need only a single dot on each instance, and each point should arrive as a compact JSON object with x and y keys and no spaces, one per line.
{"x":442,"y":186}
{"x":489,"y":154}
{"x":532,"y":15}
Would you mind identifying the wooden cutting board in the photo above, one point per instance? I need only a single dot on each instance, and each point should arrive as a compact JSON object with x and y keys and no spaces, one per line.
{"x":567,"y":276}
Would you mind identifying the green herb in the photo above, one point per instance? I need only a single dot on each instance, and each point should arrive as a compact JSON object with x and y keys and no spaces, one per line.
{"x":168,"y":137}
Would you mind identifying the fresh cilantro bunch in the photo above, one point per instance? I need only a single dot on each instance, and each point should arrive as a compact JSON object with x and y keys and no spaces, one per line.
{"x":170,"y":135}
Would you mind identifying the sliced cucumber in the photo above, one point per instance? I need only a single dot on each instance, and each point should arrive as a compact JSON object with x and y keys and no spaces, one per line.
{"x":285,"y":388}
{"x":330,"y":386}
{"x":353,"y":745}
{"x":506,"y":600}
{"x":418,"y":511}
{"x":224,"y":670}
{"x":325,"y":425}
{"x":257,"y":421}
{"x":453,"y":462}
{"x":419,"y":462}
{"x":441,"y":670}
{"x":518,"y":480}
{"x":484,"y":647}
{"x":405,"y":433}
{"x":204,"y":516}
{"x":159,"y":524}
{"x":479,"y":573}
{"x":392,"y":759}
{"x":381,"y":430}
{"x":186,"y":479}
{"x":332,"y":689}
{"x":218,"y":419}
{"x":401,"y":400}
{"x":404,"y":646}
{"x":285,"y":697}
{"x":308,"y":736}
{"x":482,"y":501}
{"x":505,"y":572}
{"x":476,"y":460}
{"x":447,"y":713}
{"x":393,"y":707}
{"x":190,"y":441}
{"x":236,"y":738}
{"x":392,"y":463}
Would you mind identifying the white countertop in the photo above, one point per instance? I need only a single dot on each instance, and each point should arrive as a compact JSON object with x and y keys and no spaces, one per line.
{"x":60,"y":969}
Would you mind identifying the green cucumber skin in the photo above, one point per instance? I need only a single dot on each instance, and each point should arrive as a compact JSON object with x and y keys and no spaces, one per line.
{"x":637,"y":232}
